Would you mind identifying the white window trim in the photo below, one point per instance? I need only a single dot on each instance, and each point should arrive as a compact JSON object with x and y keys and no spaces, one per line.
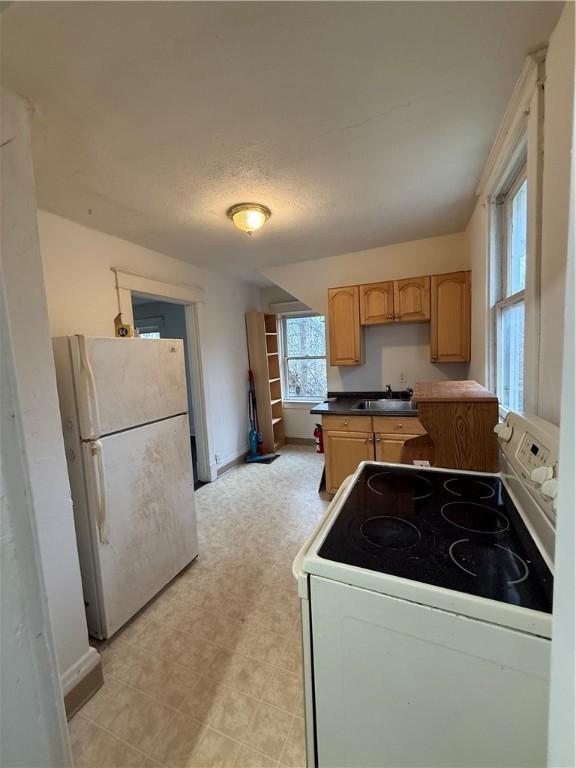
{"x":500,"y":260}
{"x":521,"y":133}
{"x":295,"y":401}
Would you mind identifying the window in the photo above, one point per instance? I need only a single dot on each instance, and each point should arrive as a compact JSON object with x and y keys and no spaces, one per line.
{"x":148,"y":334}
{"x":304,"y":357}
{"x":149,"y":327}
{"x":509,"y":308}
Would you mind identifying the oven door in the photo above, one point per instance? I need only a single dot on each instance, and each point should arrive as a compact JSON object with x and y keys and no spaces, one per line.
{"x":401,"y":684}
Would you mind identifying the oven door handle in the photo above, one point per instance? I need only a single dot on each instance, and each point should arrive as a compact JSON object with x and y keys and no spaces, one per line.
{"x":297,"y":569}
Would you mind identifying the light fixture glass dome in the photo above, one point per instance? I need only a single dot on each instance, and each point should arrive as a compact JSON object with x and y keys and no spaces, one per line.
{"x":249,"y":216}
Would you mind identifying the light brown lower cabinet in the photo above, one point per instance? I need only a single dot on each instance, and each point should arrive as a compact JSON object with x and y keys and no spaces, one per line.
{"x":348,"y":440}
{"x":390,"y":448}
{"x":343,"y":452}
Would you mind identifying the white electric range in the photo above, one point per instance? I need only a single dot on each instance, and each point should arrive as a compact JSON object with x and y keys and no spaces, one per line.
{"x":426,"y":599}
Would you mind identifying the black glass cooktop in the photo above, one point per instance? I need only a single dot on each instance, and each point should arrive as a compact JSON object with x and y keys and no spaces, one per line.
{"x":459,"y":532}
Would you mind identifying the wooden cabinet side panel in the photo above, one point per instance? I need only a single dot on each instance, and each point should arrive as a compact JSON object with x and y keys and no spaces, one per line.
{"x":344,"y":326}
{"x":462,"y":434}
{"x":343,"y":452}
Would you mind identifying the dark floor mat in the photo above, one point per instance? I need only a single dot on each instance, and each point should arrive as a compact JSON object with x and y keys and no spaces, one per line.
{"x":265,"y":461}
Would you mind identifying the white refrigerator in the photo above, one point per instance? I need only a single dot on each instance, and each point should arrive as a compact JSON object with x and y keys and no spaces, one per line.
{"x":124,"y":414}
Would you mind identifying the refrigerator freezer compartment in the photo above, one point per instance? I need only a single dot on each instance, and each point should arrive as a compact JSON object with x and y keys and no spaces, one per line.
{"x":124,"y":383}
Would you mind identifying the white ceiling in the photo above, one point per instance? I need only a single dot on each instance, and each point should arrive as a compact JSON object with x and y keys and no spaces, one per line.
{"x":358,"y":124}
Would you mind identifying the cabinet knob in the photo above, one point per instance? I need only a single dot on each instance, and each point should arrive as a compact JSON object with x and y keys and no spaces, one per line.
{"x":390,"y":317}
{"x":399,"y":426}
{"x":345,"y":423}
{"x":396,"y":317}
{"x":434,"y":357}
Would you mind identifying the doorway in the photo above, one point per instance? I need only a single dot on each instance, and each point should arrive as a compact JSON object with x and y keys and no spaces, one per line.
{"x":167,"y":320}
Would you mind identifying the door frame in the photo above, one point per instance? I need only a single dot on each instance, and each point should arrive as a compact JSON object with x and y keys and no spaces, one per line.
{"x":193,"y":298}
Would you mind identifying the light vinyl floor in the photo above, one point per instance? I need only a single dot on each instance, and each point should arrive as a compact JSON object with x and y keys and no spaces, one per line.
{"x":210,"y":673}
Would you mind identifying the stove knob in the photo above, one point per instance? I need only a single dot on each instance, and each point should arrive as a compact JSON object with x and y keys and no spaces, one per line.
{"x":550,"y":488}
{"x":541,"y":474}
{"x":503,"y":431}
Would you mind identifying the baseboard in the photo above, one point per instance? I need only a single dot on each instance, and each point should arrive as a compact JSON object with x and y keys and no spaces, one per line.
{"x":81,"y":681}
{"x":301,"y":440}
{"x":240,"y":459}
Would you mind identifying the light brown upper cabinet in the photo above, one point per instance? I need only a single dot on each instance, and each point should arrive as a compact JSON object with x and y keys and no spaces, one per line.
{"x":412,"y":299}
{"x":450,"y":327}
{"x":344,"y":325}
{"x":395,"y":301}
{"x":377,"y":303}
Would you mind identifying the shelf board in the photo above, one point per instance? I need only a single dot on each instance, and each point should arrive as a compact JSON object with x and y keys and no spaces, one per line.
{"x":271,"y":333}
{"x":271,"y":353}
{"x":273,"y":402}
{"x":271,"y":381}
{"x":276,"y":420}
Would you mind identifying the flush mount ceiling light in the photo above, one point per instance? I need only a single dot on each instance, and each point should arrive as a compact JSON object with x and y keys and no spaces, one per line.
{"x":248,"y":216}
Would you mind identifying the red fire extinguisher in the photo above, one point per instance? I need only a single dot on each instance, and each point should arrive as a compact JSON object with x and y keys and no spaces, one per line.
{"x":318,"y":436}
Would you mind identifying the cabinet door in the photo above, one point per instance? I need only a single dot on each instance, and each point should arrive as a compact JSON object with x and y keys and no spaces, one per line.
{"x":391,"y":448}
{"x":344,"y":326}
{"x":450,"y":327}
{"x":377,"y":303}
{"x":344,"y":451}
{"x":412,"y":299}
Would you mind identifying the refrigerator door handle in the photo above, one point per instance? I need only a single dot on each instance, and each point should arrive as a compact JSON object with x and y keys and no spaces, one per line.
{"x":96,"y":450}
{"x":89,"y":388}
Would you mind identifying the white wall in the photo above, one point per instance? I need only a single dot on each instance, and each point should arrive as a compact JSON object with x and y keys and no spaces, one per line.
{"x":173,"y":318}
{"x":390,"y":350}
{"x":82,"y":299}
{"x":32,"y":720}
{"x":558,"y":115}
{"x":25,"y":323}
{"x":558,"y":110}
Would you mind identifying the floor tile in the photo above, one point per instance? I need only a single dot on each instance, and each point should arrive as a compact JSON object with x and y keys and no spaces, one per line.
{"x":234,"y":714}
{"x":285,"y":690}
{"x":176,"y":744}
{"x":158,"y":677}
{"x":203,"y":700}
{"x":247,"y":675}
{"x":128,"y":714}
{"x":214,"y":751}
{"x":93,"y":747}
{"x":268,"y":730}
{"x":294,"y":753}
{"x":249,"y":758}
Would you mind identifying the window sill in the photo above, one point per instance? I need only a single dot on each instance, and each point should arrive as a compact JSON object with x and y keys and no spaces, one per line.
{"x":304,"y":404}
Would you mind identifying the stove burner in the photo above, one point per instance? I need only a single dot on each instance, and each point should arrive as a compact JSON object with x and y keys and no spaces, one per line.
{"x":489,"y":561}
{"x":474,"y":517}
{"x":469,"y":487}
{"x":416,"y":486}
{"x":390,"y":532}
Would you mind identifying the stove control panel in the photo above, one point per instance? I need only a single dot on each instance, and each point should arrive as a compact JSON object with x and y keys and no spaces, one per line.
{"x":532,"y":450}
{"x":532,"y":453}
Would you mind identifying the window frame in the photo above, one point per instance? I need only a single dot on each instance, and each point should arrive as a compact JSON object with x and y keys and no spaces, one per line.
{"x":285,"y":358}
{"x":153,"y":324}
{"x":501,"y":260}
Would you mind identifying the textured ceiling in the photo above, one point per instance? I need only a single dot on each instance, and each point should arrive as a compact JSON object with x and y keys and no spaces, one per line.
{"x":358,"y":124}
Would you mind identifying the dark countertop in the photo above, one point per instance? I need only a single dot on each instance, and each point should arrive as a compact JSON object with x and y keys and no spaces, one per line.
{"x":340,"y":404}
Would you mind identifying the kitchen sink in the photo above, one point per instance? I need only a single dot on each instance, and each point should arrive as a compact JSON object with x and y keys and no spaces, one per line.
{"x":386,"y":404}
